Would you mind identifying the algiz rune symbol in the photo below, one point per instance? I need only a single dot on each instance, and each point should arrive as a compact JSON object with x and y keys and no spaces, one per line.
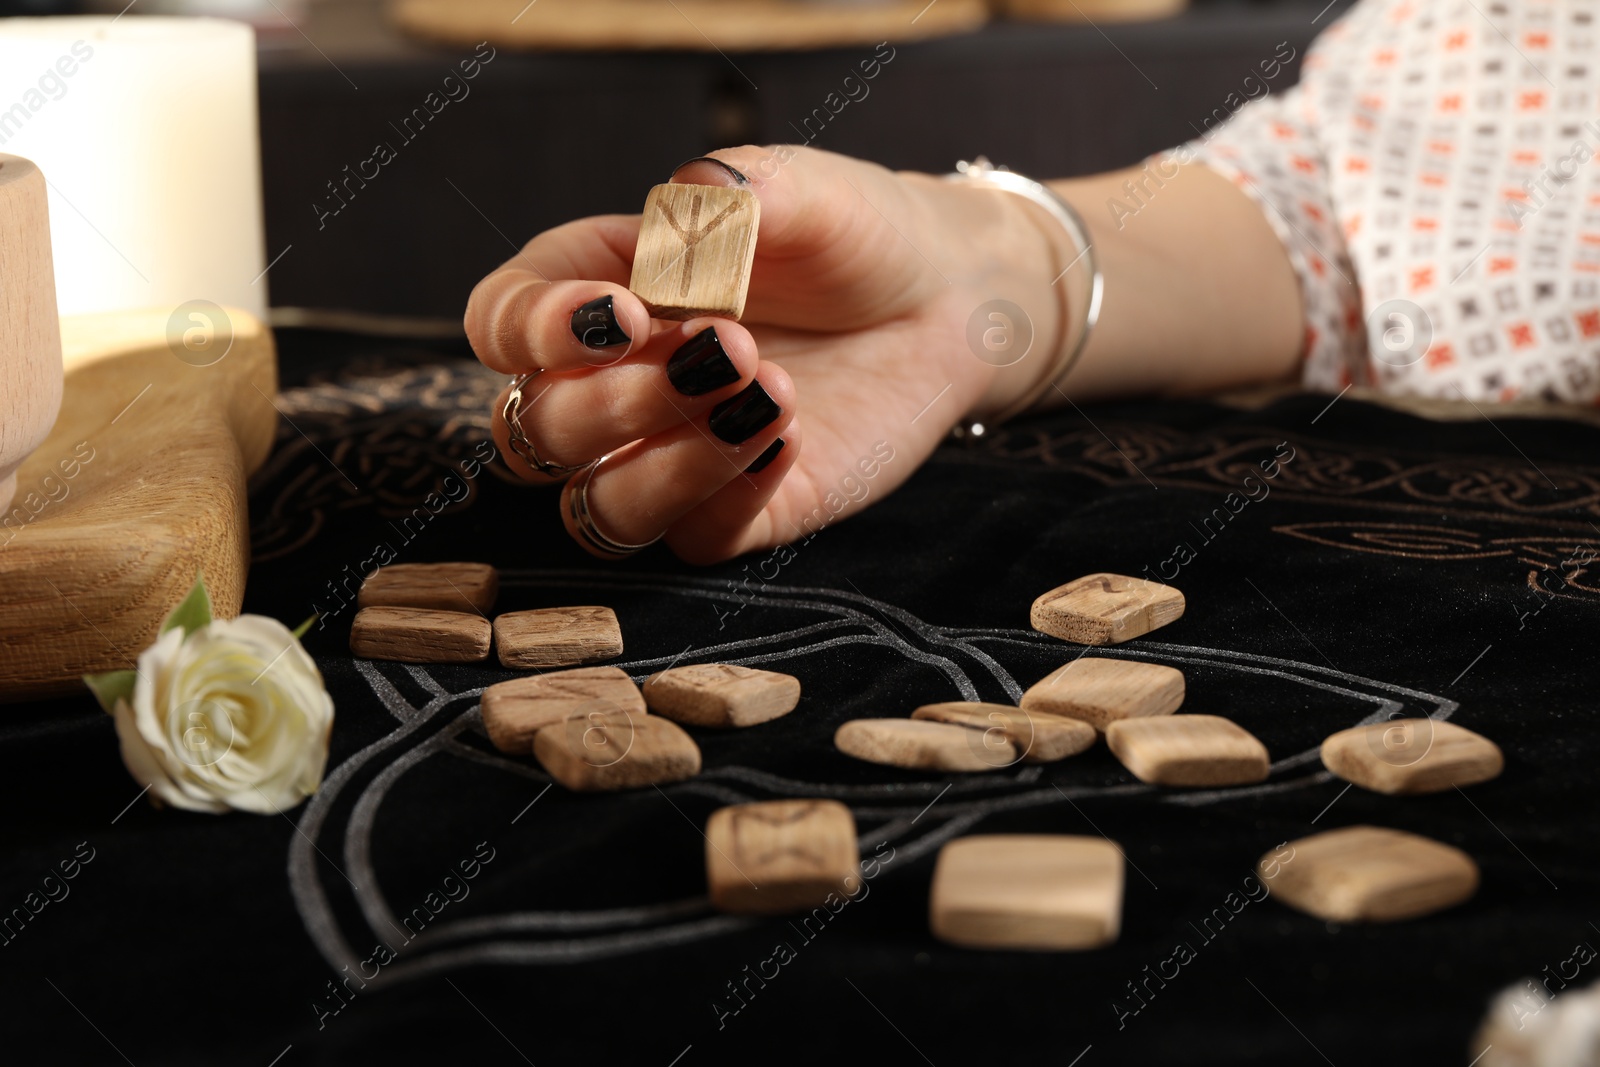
{"x":693,"y":234}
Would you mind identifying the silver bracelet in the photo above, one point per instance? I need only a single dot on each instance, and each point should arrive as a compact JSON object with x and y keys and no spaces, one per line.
{"x":981,"y":172}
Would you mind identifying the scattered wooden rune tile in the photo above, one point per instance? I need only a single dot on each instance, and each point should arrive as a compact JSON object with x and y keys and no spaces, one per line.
{"x":781,"y":856}
{"x":1038,"y":737}
{"x":420,"y":635}
{"x":514,"y":711}
{"x":1188,"y":750}
{"x":556,"y":637}
{"x":1048,"y":892}
{"x":721,"y":694}
{"x":1371,"y":874}
{"x":1100,"y":690}
{"x":443,"y":586}
{"x":921,"y":745}
{"x":1412,"y":756}
{"x":610,"y":751}
{"x":1105,"y":609}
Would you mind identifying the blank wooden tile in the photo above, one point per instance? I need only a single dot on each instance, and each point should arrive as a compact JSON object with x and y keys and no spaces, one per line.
{"x":1027,"y":891}
{"x":556,"y":637}
{"x":1038,"y":738}
{"x":1100,"y":690}
{"x":1370,"y":874}
{"x":721,"y":694}
{"x":514,"y":711}
{"x":781,"y":856}
{"x":444,"y":586}
{"x":921,"y":745}
{"x":1188,"y":750}
{"x":1105,"y":609}
{"x":1527,"y":1025}
{"x":420,"y":635}
{"x":1412,"y":756}
{"x":609,"y":751}
{"x":696,"y":247}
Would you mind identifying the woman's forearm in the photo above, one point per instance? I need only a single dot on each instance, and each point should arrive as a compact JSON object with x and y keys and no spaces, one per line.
{"x":1199,"y":292}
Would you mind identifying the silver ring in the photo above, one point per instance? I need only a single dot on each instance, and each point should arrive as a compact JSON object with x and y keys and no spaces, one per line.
{"x":512,"y":412}
{"x":583,"y":518}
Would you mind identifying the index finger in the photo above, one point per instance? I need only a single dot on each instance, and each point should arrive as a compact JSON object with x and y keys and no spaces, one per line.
{"x":531,"y":313}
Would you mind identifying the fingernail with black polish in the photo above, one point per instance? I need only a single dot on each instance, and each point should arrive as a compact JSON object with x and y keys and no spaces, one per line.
{"x":700,"y":365}
{"x":595,"y":324}
{"x":764,"y":460}
{"x":740,"y":418}
{"x":738,"y":174}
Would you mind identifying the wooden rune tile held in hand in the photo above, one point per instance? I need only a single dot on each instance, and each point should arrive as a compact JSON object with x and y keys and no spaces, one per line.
{"x":696,"y":247}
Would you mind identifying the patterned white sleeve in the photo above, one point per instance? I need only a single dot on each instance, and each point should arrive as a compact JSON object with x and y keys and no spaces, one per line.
{"x":1269,"y":148}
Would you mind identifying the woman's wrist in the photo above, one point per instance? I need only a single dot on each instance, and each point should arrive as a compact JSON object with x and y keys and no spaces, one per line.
{"x":1061,"y":276}
{"x":1012,"y":306}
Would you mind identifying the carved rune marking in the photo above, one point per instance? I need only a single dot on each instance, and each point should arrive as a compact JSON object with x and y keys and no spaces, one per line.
{"x":693,"y":234}
{"x":717,"y":673}
{"x":810,"y":856}
{"x":1108,"y":583}
{"x":574,"y":689}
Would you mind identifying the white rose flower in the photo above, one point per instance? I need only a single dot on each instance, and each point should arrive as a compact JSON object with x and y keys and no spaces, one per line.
{"x":231,"y":715}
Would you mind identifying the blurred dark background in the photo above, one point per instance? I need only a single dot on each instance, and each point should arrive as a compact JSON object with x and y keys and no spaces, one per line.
{"x":546,"y":137}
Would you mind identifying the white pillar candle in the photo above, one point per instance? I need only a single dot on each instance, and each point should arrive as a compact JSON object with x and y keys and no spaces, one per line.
{"x":146,"y":129}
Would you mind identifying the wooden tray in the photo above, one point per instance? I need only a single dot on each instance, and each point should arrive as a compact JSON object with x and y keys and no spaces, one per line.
{"x":158,"y":452}
{"x":697,"y":25}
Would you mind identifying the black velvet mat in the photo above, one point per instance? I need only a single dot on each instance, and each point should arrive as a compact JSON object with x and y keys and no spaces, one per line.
{"x":1386,"y":564}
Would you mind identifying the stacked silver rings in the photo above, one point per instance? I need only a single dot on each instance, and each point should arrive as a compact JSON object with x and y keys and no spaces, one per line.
{"x":578,"y":490}
{"x":583,"y":518}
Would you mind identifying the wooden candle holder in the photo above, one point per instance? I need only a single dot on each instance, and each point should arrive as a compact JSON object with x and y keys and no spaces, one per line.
{"x":30,"y":335}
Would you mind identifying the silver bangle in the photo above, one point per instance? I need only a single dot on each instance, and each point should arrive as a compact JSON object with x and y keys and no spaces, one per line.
{"x":981,"y":172}
{"x":583,"y":518}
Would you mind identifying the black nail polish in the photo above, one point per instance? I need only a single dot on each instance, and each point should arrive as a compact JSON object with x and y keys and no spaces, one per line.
{"x":700,"y":365}
{"x":595,"y":324}
{"x":764,"y":460}
{"x":738,"y":174}
{"x":740,"y":418}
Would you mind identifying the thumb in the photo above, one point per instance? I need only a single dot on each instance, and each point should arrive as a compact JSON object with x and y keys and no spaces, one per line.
{"x":831,"y":228}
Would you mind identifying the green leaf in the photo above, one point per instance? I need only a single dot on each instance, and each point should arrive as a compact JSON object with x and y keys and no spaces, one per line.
{"x":195,"y":611}
{"x":111,"y":686}
{"x":300,"y":631}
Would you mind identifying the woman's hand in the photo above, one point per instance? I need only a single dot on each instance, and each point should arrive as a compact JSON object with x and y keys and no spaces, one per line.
{"x":855,"y":327}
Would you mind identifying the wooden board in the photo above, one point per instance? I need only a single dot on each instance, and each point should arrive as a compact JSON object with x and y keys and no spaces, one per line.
{"x":696,"y":25}
{"x":84,"y":584}
{"x":1091,"y":10}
